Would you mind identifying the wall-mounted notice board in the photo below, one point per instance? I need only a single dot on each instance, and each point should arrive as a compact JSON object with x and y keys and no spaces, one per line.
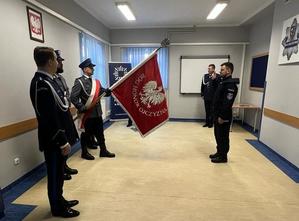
{"x":258,"y":72}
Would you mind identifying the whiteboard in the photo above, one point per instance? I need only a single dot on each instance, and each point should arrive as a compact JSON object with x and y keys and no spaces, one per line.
{"x":193,"y":68}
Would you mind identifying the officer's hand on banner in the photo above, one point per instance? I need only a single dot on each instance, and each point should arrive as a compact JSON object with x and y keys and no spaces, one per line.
{"x":108,"y":92}
{"x":66,"y":150}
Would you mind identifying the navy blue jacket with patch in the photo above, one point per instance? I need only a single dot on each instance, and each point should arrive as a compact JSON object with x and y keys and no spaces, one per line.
{"x":224,"y":98}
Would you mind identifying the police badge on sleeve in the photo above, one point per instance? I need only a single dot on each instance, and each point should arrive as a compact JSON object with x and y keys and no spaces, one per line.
{"x":229,"y":96}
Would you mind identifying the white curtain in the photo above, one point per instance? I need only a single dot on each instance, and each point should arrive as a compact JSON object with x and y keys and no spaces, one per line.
{"x":97,"y":51}
{"x":135,"y":55}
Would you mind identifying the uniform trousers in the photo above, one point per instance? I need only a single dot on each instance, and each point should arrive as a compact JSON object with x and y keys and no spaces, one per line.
{"x":221,"y":132}
{"x":209,"y":114}
{"x":55,"y":169}
{"x":94,"y":128}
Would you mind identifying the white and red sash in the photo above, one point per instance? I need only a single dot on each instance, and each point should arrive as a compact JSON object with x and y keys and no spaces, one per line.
{"x":95,"y":91}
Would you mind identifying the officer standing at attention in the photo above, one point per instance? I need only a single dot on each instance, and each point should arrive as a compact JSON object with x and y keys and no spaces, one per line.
{"x":71,"y":130}
{"x":223,"y":101}
{"x":208,"y":88}
{"x":51,"y":109}
{"x":93,"y":122}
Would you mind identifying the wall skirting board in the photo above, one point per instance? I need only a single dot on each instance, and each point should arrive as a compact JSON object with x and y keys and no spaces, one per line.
{"x":282,"y":117}
{"x":15,"y":129}
{"x":18,"y":128}
{"x":283,"y":164}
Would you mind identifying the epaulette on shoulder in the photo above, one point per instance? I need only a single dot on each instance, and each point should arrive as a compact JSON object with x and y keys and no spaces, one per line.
{"x":41,"y":81}
{"x":78,"y":78}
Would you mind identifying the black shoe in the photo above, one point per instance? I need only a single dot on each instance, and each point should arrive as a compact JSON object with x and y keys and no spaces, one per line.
{"x":87,"y":156}
{"x":205,"y":125}
{"x":106,"y":153}
{"x":69,"y":170}
{"x":210,"y":126}
{"x":71,"y":203}
{"x":219,"y":159}
{"x":214,"y":155}
{"x":67,"y":213}
{"x":67,"y":176}
{"x":129,"y":125}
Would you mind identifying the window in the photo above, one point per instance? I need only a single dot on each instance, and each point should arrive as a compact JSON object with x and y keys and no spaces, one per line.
{"x":97,"y":51}
{"x":135,"y":55}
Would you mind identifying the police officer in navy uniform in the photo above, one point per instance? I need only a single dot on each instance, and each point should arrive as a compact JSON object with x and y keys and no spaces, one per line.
{"x":94,"y":123}
{"x":71,"y":128}
{"x":51,"y":109}
{"x":208,"y":88}
{"x":223,"y":101}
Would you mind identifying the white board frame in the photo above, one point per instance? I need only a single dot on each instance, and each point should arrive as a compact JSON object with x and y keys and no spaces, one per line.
{"x":207,"y":59}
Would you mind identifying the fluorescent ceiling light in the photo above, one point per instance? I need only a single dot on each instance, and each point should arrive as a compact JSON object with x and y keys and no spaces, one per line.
{"x":125,"y":9}
{"x":217,"y":10}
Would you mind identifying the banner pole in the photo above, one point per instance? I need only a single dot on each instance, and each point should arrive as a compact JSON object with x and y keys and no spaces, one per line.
{"x":133,"y":70}
{"x":165,"y":43}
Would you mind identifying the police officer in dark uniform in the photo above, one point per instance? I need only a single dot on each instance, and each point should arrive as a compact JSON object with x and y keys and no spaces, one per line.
{"x":51,"y":109}
{"x":208,"y":88}
{"x":94,"y":123}
{"x":71,"y":129}
{"x":223,"y":101}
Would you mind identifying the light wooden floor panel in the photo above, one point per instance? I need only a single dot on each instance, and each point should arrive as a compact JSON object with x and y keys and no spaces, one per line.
{"x":168,"y":176}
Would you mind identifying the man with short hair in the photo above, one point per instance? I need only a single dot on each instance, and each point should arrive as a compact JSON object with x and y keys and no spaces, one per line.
{"x":71,"y":128}
{"x":208,"y":88}
{"x":86,"y":96}
{"x":51,"y":109}
{"x":223,"y":101}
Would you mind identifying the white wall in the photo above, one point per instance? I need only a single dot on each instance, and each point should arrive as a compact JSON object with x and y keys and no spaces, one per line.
{"x":17,"y":69}
{"x":179,"y":35}
{"x":259,"y":39}
{"x":190,"y":105}
{"x":282,"y":90}
{"x":73,"y":12}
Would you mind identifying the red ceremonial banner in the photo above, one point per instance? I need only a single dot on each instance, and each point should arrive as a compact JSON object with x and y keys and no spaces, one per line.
{"x":141,"y":94}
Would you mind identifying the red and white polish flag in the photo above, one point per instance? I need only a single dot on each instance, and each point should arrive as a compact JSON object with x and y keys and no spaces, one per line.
{"x":142,"y":96}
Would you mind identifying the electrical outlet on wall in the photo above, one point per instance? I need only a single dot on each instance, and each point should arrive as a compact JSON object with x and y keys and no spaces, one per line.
{"x":17,"y":161}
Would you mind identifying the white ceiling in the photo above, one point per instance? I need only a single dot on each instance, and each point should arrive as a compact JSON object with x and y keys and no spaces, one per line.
{"x":172,"y":13}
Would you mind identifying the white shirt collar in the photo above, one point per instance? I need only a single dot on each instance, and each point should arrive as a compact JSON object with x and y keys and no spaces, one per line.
{"x":45,"y":73}
{"x":85,"y":75}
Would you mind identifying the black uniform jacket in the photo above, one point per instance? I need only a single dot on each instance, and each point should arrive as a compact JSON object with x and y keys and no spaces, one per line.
{"x":59,"y":79}
{"x":52,"y":118}
{"x":80,"y":94}
{"x":224,"y":98}
{"x":209,"y":86}
{"x":71,"y":130}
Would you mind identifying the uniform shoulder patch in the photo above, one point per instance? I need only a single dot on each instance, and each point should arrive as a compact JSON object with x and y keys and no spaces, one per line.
{"x":229,"y":96}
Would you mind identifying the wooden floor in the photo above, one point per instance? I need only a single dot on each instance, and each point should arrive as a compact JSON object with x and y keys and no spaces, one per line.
{"x":168,"y":176}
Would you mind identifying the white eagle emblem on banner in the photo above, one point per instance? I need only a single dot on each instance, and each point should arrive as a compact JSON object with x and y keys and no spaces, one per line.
{"x":152,"y":95}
